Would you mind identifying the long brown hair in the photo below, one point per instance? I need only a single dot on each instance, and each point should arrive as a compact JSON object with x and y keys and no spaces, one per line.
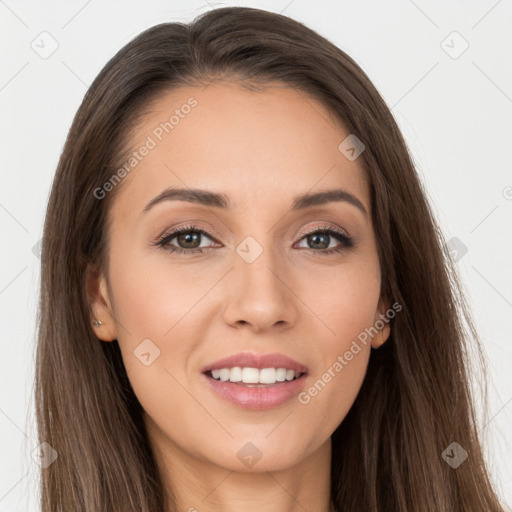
{"x":416,"y":398}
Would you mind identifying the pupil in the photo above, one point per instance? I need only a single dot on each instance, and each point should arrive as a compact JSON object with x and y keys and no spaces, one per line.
{"x":188,"y":238}
{"x":322,"y":235}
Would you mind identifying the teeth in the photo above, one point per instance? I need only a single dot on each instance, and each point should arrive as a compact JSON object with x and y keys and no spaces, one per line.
{"x":224,"y":374}
{"x":268,"y":376}
{"x":250,"y":375}
{"x":235,"y":374}
{"x":254,"y":375}
{"x":281,"y":374}
{"x":290,"y":374}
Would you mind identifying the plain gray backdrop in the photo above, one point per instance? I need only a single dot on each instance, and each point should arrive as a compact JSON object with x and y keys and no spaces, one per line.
{"x":444,"y":69}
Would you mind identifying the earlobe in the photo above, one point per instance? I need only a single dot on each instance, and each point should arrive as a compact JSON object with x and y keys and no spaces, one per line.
{"x":102,"y":317}
{"x":379,"y":339}
{"x":382,"y":323}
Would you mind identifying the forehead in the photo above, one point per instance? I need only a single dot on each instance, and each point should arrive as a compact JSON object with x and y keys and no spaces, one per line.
{"x":266,"y":145}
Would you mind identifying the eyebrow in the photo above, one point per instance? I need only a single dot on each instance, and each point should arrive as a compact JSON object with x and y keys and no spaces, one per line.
{"x":220,"y":200}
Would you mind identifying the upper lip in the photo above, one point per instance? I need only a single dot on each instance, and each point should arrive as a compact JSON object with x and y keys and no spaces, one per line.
{"x":254,"y":360}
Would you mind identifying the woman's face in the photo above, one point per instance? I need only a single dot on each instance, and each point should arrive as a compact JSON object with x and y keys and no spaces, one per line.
{"x":258,"y":287}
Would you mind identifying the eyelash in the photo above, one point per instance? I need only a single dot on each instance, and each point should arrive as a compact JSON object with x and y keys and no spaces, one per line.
{"x":164,"y":240}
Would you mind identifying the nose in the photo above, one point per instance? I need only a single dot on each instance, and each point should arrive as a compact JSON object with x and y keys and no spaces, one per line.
{"x":260,"y":293}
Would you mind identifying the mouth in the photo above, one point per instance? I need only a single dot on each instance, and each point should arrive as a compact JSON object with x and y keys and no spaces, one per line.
{"x":254,"y":377}
{"x":255,"y":388}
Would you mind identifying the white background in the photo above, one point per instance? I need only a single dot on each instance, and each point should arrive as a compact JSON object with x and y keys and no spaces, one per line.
{"x":455,"y":113}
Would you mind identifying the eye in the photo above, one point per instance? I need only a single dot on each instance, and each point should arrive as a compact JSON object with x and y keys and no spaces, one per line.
{"x":321,"y":238}
{"x":188,"y":236}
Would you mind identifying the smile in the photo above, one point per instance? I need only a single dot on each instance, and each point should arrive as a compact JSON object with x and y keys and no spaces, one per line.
{"x":255,"y":389}
{"x":249,"y":375}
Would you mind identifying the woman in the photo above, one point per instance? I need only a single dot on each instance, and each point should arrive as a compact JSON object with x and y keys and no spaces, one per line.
{"x":246,"y":303}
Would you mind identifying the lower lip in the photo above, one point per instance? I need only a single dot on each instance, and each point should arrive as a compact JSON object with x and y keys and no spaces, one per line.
{"x":257,"y":398}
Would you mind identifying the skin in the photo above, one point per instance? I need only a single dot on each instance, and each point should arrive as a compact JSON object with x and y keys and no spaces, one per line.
{"x":262,"y":149}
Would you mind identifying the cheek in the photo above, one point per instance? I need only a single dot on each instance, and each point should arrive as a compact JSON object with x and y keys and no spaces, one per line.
{"x":155,"y":312}
{"x":345,"y":299}
{"x":152,"y":298}
{"x":346,"y":305}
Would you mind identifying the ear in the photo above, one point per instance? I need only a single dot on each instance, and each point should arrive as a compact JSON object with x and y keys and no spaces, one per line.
{"x":380,"y":318}
{"x":100,"y":304}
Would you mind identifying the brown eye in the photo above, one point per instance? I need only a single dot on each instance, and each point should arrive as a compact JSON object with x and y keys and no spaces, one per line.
{"x":319,"y":240}
{"x":188,"y":240}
